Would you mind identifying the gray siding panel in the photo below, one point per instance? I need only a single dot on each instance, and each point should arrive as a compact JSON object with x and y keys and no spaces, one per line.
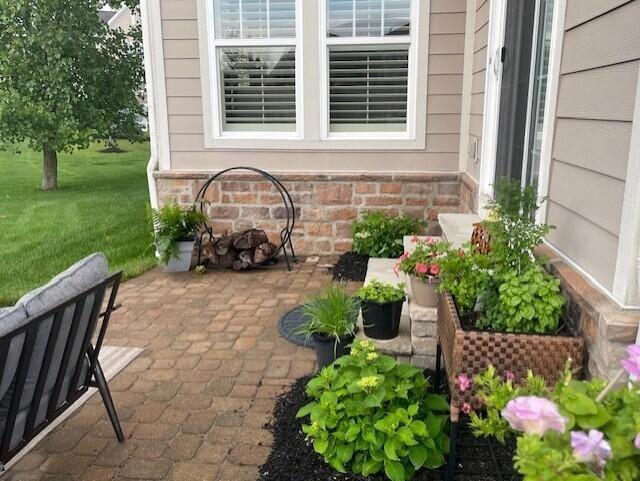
{"x":585,"y":48}
{"x":596,"y":96}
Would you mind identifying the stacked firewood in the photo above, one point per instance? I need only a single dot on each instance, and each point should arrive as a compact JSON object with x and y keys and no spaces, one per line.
{"x":239,"y":250}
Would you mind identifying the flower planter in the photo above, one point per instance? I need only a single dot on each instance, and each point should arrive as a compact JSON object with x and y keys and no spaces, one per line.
{"x":424,"y":293}
{"x":183,"y":262}
{"x":381,"y":321}
{"x":327,"y":350}
{"x":471,"y":352}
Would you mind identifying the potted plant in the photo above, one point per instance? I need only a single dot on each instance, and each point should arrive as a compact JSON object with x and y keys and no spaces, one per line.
{"x":502,"y":308}
{"x":423,"y":269}
{"x":331,"y":320}
{"x":175,"y":229}
{"x":576,"y":430}
{"x":381,"y":309}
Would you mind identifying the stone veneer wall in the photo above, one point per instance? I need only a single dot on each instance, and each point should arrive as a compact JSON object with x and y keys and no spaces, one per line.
{"x":468,"y":193}
{"x":607,"y":328}
{"x":326,"y":204}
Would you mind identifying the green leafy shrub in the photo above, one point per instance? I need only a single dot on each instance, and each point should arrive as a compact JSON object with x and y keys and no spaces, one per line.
{"x":553,"y":455}
{"x":528,"y":301}
{"x":381,"y":293}
{"x":370,"y":414}
{"x":334,"y":313}
{"x":173,"y":223}
{"x":463,"y":273}
{"x":379,"y":235}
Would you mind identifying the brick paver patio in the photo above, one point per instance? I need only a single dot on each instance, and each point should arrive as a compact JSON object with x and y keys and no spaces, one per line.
{"x":194,"y":404}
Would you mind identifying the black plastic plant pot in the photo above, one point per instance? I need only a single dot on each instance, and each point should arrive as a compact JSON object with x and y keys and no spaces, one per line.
{"x":381,"y":321}
{"x":327,"y":350}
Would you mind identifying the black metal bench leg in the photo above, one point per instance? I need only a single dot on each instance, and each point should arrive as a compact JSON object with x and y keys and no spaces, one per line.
{"x":103,"y":387}
{"x":453,"y":445}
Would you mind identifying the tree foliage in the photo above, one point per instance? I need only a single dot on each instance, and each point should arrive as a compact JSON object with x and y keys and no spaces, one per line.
{"x":66,"y":78}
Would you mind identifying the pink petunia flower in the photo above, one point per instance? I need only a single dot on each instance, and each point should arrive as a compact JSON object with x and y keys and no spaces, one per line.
{"x":422,"y":268}
{"x":632,"y":363}
{"x":434,"y":270}
{"x":403,"y":256}
{"x":464,"y":383}
{"x":415,"y":239}
{"x":534,"y":415}
{"x":591,"y":448}
{"x":637,"y":443}
{"x":466,"y":408}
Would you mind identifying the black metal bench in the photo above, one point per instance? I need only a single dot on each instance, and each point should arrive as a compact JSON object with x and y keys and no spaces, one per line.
{"x":50,"y":362}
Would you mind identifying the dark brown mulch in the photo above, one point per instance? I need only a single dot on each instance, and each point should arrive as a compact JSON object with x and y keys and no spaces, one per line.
{"x":292,"y":458}
{"x":351,"y":266}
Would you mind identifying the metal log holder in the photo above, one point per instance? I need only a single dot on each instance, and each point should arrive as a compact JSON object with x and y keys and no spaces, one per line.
{"x":286,"y":244}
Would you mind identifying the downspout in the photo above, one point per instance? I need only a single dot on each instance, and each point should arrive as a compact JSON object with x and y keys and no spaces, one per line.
{"x":153,"y":164}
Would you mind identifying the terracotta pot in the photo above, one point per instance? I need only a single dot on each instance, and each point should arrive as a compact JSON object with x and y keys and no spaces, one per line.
{"x":424,"y":293}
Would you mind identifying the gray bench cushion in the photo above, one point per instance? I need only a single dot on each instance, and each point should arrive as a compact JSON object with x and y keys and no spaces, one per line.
{"x":70,"y":283}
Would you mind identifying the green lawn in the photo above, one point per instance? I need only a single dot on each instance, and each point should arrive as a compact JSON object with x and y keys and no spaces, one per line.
{"x":100,"y":206}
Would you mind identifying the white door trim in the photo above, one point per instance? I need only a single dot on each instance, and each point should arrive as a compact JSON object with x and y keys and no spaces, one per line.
{"x":495,"y":42}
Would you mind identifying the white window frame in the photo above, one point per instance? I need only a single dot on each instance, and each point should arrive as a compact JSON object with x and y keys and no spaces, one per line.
{"x":312,"y":105}
{"x":411,"y":40}
{"x":217,"y":105}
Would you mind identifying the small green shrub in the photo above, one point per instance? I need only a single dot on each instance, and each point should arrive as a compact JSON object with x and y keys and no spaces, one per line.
{"x":334,"y":313}
{"x":463,"y":273}
{"x":528,"y":301}
{"x":370,"y":414}
{"x":173,"y":223}
{"x":381,"y":293}
{"x":379,"y":235}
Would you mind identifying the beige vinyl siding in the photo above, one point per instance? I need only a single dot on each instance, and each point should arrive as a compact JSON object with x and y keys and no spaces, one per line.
{"x":596,"y":96}
{"x":479,"y":71}
{"x":185,"y":109}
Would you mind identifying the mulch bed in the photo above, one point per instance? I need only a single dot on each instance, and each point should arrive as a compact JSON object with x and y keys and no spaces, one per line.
{"x":292,"y":458}
{"x":351,"y":266}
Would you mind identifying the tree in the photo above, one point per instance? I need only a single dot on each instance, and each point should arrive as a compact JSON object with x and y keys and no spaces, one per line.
{"x":66,"y":78}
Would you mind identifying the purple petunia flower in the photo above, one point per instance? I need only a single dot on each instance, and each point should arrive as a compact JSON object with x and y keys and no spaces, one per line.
{"x":534,"y":415}
{"x":632,"y":363}
{"x":591,"y":448}
{"x":637,"y":443}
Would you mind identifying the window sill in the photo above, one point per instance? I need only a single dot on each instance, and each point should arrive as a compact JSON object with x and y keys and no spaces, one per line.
{"x":251,"y":141}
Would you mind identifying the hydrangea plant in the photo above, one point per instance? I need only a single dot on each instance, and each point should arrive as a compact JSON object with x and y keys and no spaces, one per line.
{"x":370,"y":414}
{"x":576,"y":431}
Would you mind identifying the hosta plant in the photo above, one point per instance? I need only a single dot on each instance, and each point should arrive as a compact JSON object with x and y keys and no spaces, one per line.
{"x":576,"y":431}
{"x":369,"y":414}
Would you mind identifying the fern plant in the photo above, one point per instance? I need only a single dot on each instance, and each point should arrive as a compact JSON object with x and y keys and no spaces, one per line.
{"x":172,"y":224}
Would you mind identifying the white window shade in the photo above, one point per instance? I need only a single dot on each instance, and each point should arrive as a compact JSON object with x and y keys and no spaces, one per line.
{"x":244,"y":19}
{"x":368,"y":18}
{"x":258,"y":88}
{"x":368,"y":88}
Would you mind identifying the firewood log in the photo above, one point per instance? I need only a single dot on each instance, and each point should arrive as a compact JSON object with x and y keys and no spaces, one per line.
{"x":250,"y":239}
{"x":264,"y":252}
{"x":225,"y":244}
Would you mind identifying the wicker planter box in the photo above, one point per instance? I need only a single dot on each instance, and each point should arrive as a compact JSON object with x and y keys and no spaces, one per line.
{"x":471,"y":352}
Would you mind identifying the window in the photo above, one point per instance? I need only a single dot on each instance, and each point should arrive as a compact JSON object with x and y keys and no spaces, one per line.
{"x":255,"y":52}
{"x":324,"y":74}
{"x":368,"y":47}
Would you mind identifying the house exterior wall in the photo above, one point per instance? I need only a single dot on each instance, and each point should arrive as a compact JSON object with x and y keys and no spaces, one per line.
{"x":591,"y":147}
{"x":185,"y":105}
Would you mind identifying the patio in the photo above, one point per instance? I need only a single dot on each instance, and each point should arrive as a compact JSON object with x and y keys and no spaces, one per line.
{"x":194,"y":404}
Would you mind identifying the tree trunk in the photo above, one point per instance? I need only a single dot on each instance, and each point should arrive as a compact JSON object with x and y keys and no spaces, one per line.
{"x":49,"y":169}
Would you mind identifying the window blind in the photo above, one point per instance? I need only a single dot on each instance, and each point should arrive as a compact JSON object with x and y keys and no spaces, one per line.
{"x":368,"y":18}
{"x":258,"y":88}
{"x":368,"y":88}
{"x":255,"y":19}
